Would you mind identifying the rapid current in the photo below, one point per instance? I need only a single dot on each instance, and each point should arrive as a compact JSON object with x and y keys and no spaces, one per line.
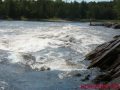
{"x":48,"y":55}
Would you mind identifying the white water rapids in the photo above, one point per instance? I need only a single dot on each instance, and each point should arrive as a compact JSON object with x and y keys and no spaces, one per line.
{"x":26,"y":47}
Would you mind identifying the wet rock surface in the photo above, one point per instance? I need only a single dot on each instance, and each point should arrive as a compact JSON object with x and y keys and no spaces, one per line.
{"x":116,"y":26}
{"x":106,"y":57}
{"x":44,"y":68}
{"x":108,"y":24}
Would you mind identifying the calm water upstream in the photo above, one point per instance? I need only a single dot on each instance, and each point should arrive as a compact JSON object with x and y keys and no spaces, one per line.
{"x":28,"y":47}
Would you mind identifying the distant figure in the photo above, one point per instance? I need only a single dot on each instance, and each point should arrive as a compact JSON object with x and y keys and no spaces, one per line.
{"x":90,"y":21}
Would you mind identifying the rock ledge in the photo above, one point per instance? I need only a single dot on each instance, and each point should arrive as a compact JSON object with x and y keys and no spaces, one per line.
{"x":107,"y":58}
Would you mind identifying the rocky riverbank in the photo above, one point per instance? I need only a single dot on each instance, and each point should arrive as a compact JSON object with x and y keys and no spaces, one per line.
{"x":106,"y":24}
{"x":107,"y":58}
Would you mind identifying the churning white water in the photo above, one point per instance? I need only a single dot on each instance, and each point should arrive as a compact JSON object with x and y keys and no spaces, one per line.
{"x":47,"y":55}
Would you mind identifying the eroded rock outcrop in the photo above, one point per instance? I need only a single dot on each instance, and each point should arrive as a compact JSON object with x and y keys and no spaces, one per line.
{"x":107,"y":24}
{"x":107,"y":57}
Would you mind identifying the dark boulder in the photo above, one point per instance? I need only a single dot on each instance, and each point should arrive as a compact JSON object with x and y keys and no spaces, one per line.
{"x":108,"y":24}
{"x":44,"y":68}
{"x":86,"y":78}
{"x":116,"y":26}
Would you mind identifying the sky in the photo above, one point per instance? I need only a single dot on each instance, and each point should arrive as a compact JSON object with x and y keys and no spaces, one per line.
{"x":87,"y":0}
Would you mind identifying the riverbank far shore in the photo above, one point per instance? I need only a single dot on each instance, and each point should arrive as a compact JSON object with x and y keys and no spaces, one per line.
{"x":62,"y":20}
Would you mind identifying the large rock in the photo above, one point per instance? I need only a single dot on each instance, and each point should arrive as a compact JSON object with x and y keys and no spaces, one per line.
{"x":44,"y":68}
{"x":116,"y":26}
{"x":108,"y":24}
{"x":28,"y":58}
{"x":107,"y":57}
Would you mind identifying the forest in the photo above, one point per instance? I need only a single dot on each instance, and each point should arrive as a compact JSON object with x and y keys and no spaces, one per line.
{"x":46,"y":9}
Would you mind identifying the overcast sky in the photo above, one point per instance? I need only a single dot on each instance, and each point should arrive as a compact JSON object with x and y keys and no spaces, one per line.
{"x":87,"y":0}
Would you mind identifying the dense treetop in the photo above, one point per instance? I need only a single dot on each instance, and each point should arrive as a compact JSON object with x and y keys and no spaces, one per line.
{"x":45,"y":9}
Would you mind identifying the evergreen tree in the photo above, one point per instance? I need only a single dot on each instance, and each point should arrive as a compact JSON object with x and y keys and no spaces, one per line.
{"x":117,"y":7}
{"x":44,"y":9}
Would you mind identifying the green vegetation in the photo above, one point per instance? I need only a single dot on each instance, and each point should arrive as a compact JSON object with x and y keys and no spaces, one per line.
{"x":117,"y":7}
{"x":58,"y":9}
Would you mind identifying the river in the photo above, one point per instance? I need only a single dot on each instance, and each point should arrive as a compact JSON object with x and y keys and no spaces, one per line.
{"x":48,"y":55}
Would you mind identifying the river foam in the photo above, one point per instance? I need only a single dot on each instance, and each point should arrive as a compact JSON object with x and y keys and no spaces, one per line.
{"x":26,"y":47}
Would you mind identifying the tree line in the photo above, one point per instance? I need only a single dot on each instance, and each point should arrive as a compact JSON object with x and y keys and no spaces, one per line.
{"x":45,"y":9}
